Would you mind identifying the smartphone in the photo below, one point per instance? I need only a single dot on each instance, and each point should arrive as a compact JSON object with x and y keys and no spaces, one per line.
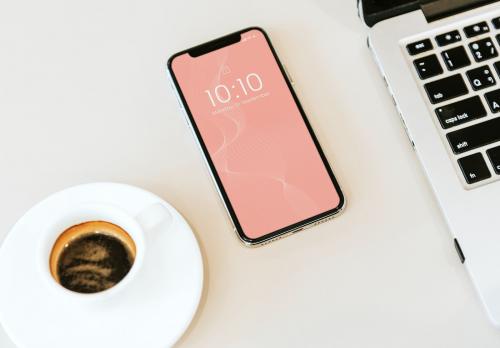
{"x":266,"y":162}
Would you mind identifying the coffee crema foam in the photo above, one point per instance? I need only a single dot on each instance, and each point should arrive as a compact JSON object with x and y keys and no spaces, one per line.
{"x":92,"y":257}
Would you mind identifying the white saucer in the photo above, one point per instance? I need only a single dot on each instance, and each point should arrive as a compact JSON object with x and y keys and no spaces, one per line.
{"x":154,"y":312}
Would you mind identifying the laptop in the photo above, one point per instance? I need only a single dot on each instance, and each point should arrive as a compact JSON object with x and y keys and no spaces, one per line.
{"x":441,"y":64}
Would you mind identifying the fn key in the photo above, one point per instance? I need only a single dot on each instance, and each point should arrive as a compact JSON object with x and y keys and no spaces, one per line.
{"x":474,"y":168}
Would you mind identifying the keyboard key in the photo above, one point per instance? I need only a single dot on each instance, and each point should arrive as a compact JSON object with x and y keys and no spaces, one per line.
{"x":455,"y":58}
{"x":476,"y":29}
{"x":474,"y":168}
{"x":448,"y":38}
{"x":493,"y":99}
{"x":496,"y":23}
{"x":419,"y":47}
{"x":445,"y":89}
{"x":428,"y":67}
{"x":494,"y":155}
{"x":483,"y":49}
{"x":460,"y":112}
{"x":475,"y":136}
{"x":481,"y":77}
{"x":497,"y":67}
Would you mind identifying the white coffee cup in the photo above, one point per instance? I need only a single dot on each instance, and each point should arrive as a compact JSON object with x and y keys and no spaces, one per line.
{"x":139,"y":227}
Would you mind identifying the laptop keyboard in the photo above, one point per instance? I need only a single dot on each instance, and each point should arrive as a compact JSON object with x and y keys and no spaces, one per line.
{"x":459,"y":70}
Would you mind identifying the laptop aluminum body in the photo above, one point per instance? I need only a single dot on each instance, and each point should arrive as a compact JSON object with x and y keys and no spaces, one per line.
{"x":472,"y":211}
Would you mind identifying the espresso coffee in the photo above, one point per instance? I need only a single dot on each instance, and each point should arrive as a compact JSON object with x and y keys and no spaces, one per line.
{"x":92,"y":257}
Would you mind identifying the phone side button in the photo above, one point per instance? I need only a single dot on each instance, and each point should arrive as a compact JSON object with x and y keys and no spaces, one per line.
{"x":179,"y":101}
{"x":460,"y":253}
{"x":290,"y":78}
{"x":184,"y":112}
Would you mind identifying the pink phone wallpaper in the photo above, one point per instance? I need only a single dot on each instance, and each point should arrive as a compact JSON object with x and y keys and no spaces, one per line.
{"x":255,"y":134}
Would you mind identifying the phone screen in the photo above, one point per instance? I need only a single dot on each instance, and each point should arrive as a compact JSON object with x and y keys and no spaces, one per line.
{"x":255,"y":134}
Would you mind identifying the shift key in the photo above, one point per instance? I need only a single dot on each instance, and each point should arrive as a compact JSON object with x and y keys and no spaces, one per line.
{"x":475,"y":136}
{"x":445,"y":89}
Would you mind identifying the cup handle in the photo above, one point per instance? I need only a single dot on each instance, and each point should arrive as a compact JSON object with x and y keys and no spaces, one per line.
{"x":153,"y":216}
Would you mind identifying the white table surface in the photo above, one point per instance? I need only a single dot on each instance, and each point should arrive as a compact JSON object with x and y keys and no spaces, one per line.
{"x":84,"y":97}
